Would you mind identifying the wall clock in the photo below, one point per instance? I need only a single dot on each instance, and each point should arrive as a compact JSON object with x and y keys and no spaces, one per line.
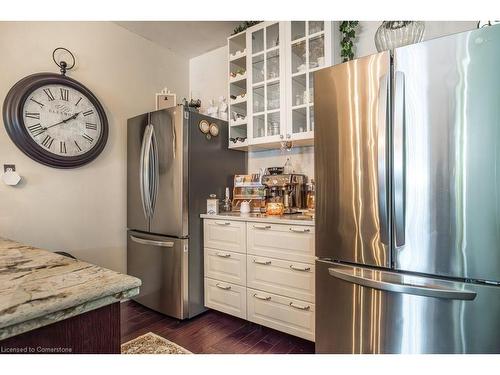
{"x":55,"y":120}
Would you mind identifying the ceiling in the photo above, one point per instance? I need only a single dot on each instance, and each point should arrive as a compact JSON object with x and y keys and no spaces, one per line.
{"x":186,"y":38}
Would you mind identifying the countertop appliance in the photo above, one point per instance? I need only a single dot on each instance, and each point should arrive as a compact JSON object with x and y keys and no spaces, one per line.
{"x":172,"y":168}
{"x":407,"y":168}
{"x":289,"y":188}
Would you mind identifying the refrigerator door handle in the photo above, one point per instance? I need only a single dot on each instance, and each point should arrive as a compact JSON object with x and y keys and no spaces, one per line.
{"x":378,"y":282}
{"x":383,"y":207}
{"x":155,"y":175}
{"x":144,"y":173}
{"x":144,"y":241}
{"x":399,"y":158}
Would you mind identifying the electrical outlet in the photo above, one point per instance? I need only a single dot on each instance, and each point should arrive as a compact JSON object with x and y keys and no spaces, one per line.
{"x":6,"y":167}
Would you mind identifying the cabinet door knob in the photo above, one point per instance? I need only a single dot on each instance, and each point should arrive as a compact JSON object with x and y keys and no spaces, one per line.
{"x":262,"y":226}
{"x":223,"y":287}
{"x":300,"y":230}
{"x":303,"y":269}
{"x":263,"y":262}
{"x":263,"y":298}
{"x":299,"y":307}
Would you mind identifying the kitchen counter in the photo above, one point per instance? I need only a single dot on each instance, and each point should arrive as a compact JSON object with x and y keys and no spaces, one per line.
{"x":38,"y":288}
{"x":293,"y":219}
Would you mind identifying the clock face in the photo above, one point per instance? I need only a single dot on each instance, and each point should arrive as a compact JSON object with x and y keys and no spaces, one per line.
{"x":61,"y":120}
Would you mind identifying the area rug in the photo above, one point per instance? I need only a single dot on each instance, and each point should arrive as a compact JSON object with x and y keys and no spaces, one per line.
{"x":152,"y":344}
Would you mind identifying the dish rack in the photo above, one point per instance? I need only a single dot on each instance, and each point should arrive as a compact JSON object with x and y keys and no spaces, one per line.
{"x":247,"y":187}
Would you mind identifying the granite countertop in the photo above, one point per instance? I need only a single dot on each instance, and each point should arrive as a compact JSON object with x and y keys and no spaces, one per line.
{"x":38,"y":287}
{"x":293,"y":219}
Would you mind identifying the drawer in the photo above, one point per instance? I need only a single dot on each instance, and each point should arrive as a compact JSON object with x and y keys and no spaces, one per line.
{"x":225,"y":235}
{"x":291,"y":279}
{"x":226,"y":297}
{"x":281,"y":313}
{"x":289,"y":242}
{"x":226,"y":266}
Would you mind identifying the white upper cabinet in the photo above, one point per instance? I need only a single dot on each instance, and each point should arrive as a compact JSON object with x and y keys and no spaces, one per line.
{"x":273,"y":99}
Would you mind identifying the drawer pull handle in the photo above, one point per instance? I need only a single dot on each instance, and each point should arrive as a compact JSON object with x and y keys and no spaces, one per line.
{"x":222,"y":223}
{"x":222,"y":255}
{"x":300,"y":230}
{"x":262,"y":226}
{"x":263,"y":262}
{"x":303,"y":269}
{"x":223,"y":287}
{"x":267,"y":298}
{"x":299,"y":307}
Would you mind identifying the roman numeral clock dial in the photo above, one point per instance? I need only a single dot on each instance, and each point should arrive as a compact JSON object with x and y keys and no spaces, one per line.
{"x":54,"y":119}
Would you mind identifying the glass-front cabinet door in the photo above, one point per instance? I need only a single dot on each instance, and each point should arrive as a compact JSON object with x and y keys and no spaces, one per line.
{"x":308,"y":49}
{"x":267,"y":97}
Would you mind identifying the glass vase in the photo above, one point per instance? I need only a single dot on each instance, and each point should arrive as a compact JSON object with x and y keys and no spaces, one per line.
{"x":393,"y":34}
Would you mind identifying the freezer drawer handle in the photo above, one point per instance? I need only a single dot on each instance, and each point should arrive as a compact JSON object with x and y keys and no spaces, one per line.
{"x":263,"y":262}
{"x":303,"y":269}
{"x":223,"y":287}
{"x":266,"y":298}
{"x":222,"y":223}
{"x":144,"y":241}
{"x":300,"y":230}
{"x":262,"y":226}
{"x":223,"y":255}
{"x":417,"y":290}
{"x":299,"y":307}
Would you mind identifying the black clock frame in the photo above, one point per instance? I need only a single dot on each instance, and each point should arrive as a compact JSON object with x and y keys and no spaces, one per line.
{"x":14,"y":123}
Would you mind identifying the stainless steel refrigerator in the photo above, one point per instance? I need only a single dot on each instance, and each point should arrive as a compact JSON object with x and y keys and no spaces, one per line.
{"x":172,"y":167}
{"x":407,"y":164}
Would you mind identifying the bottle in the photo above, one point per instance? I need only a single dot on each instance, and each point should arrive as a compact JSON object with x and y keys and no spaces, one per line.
{"x":226,"y":207}
{"x":287,"y":168}
{"x":311,"y":196}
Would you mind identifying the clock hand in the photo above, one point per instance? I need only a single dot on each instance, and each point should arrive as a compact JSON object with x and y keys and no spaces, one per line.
{"x":63,"y":121}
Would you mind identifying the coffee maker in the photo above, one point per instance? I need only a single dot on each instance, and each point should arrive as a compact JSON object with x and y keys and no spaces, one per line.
{"x":289,"y":189}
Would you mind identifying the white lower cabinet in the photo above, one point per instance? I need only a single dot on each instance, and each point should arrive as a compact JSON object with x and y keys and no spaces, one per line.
{"x":284,"y":314}
{"x":226,"y":297}
{"x":291,"y":279}
{"x":261,"y":272}
{"x":226,"y":266}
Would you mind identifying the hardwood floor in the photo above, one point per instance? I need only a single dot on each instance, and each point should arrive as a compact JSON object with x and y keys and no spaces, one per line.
{"x":210,"y":332}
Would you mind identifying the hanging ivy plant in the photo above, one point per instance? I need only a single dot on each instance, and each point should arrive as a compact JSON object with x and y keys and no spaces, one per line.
{"x":243,"y":26}
{"x":348,"y":30}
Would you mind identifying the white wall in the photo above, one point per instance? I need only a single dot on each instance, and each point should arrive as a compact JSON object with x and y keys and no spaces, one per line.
{"x":82,"y":211}
{"x":208,"y":79}
{"x":207,"y":76}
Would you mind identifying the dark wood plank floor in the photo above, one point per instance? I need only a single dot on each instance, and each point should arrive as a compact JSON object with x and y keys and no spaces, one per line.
{"x":210,"y":332}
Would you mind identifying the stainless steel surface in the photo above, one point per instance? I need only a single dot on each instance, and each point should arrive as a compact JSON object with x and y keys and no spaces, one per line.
{"x":398,"y":283}
{"x":451,"y":159}
{"x":290,"y":187}
{"x":162,"y":270}
{"x":349,"y":116}
{"x":169,"y":129}
{"x":136,"y":207}
{"x":151,"y":242}
{"x":177,"y":176}
{"x":353,"y":318}
{"x":399,"y":155}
